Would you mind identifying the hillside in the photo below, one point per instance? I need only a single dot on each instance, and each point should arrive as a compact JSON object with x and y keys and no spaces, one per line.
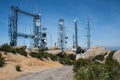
{"x":28,"y":65}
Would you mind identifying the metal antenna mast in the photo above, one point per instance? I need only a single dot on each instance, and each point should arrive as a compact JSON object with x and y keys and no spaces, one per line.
{"x":61,"y":35}
{"x":88,"y":34}
{"x":13,"y":20}
{"x":51,"y":40}
{"x":74,"y":44}
{"x":76,"y":33}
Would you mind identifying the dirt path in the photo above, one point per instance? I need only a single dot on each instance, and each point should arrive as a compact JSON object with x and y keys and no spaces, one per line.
{"x":63,"y":73}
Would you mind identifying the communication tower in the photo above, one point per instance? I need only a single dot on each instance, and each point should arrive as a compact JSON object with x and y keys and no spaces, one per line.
{"x":37,"y":35}
{"x":62,"y":35}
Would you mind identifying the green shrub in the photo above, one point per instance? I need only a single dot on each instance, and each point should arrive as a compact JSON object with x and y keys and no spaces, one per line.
{"x":52,"y":57}
{"x":37,"y":55}
{"x":91,"y":70}
{"x":99,"y":57}
{"x":21,"y":52}
{"x":42,"y":55}
{"x":111,"y":54}
{"x":79,"y":63}
{"x":64,"y":58}
{"x":18,"y":68}
{"x":2,"y":60}
{"x":112,"y":66}
{"x":110,"y":61}
{"x":34,"y":54}
{"x":7,"y":48}
{"x":61,"y":57}
{"x":72,"y":56}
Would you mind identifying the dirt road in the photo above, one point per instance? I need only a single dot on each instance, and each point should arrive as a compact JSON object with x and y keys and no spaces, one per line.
{"x":62,"y":73}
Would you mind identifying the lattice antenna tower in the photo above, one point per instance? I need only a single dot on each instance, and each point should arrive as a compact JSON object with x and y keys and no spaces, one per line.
{"x":13,"y":27}
{"x":62,"y":35}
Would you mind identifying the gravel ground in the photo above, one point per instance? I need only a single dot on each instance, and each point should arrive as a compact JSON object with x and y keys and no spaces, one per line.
{"x":63,"y":73}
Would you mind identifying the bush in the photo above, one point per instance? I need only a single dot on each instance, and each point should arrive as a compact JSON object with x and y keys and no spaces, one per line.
{"x":21,"y":52}
{"x":6,"y":47}
{"x":64,"y":58}
{"x":72,"y":56}
{"x":91,"y":70}
{"x":33,"y":54}
{"x":79,"y":63}
{"x":99,"y":57}
{"x":43,"y":55}
{"x":18,"y":68}
{"x":37,"y":55}
{"x":61,"y":57}
{"x":111,"y":54}
{"x":2,"y":60}
{"x":52,"y":57}
{"x":110,"y":61}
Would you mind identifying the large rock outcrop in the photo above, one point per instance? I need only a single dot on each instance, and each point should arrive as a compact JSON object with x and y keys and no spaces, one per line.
{"x":116,"y":56}
{"x":94,"y":51}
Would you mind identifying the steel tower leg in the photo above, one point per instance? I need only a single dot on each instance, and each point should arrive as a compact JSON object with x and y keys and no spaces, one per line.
{"x":13,"y":27}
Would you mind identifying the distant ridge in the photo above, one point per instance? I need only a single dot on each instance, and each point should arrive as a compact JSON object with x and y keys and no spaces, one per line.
{"x":113,"y":48}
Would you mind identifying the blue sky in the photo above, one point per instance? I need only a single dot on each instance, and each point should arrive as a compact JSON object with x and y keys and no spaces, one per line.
{"x":104,"y":20}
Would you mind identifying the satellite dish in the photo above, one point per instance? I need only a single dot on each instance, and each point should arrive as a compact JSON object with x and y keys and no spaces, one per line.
{"x":61,"y":31}
{"x":61,"y":23}
{"x":75,"y":19}
{"x":37,"y":23}
{"x":39,"y":14}
{"x":45,"y":40}
{"x":36,"y":36}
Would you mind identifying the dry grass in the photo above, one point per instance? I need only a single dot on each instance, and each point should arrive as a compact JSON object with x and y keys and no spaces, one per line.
{"x":28,"y":65}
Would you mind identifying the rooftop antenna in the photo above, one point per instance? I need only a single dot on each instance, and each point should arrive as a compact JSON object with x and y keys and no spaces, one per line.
{"x":88,"y":33}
